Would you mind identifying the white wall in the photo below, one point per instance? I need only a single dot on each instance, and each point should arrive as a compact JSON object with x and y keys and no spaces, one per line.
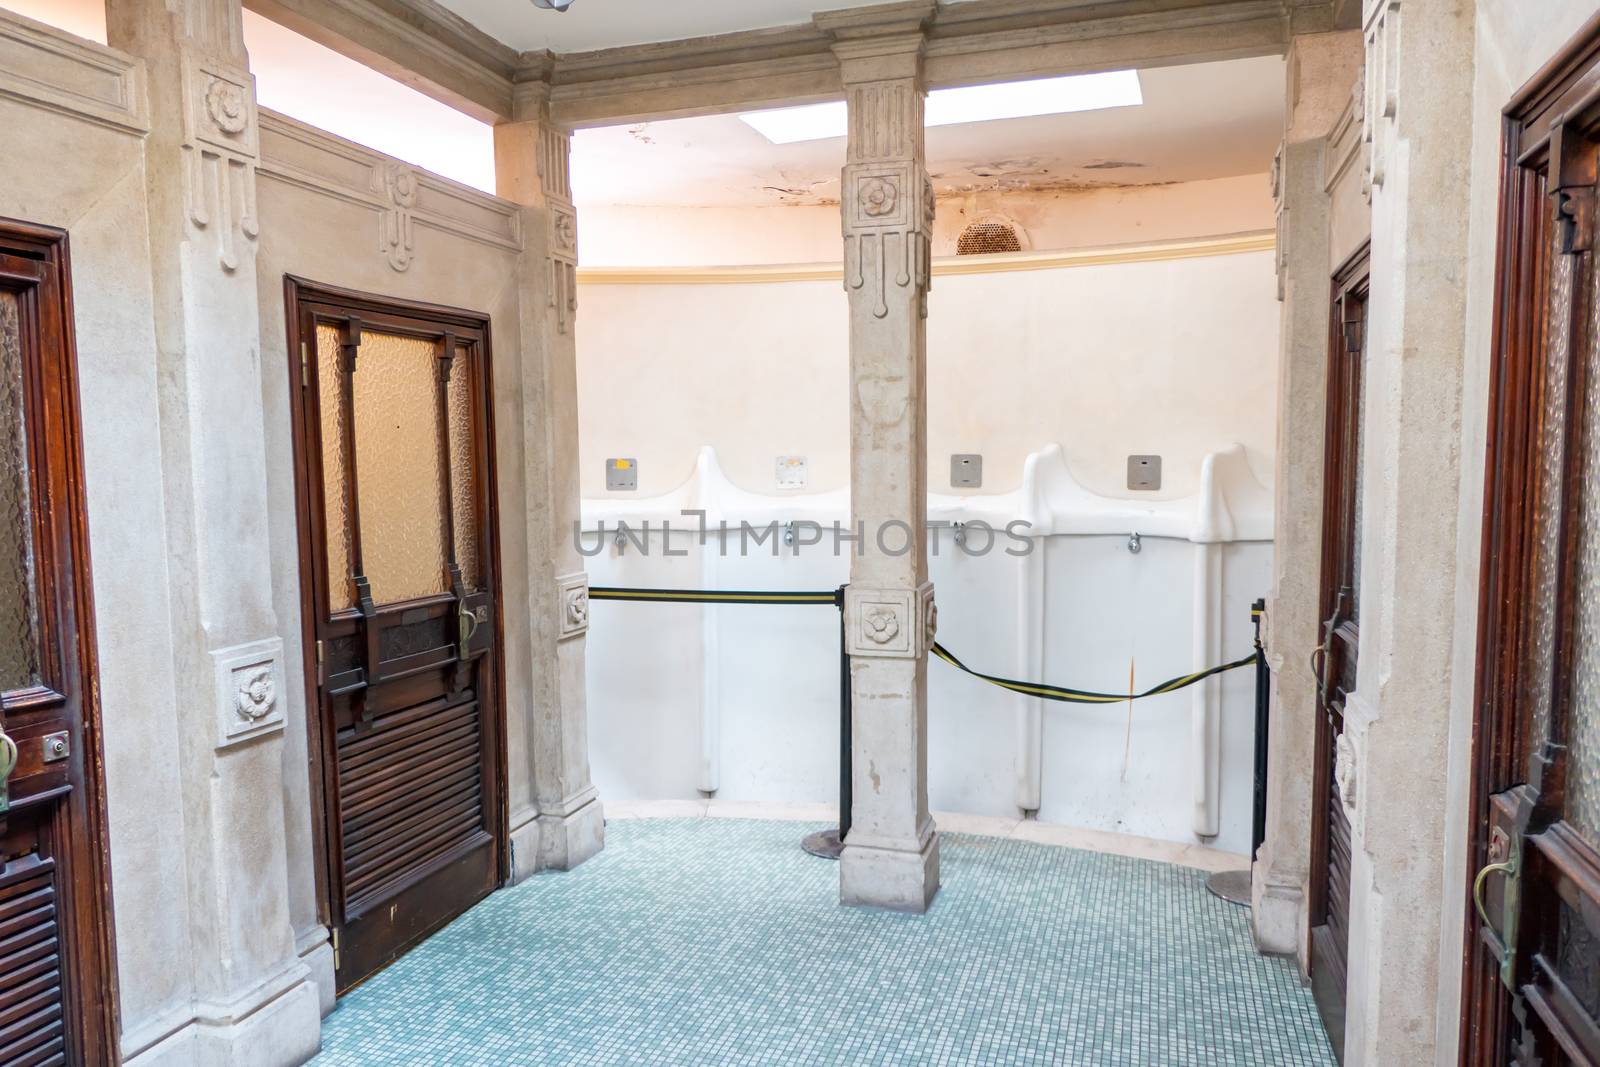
{"x":1168,"y":356}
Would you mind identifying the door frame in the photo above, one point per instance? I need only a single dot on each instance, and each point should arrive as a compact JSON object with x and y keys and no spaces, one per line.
{"x":1499,"y":759}
{"x":298,"y":291}
{"x":1353,"y":277}
{"x":89,"y":982}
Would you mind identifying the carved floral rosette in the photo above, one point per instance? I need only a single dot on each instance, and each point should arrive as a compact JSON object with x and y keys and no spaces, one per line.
{"x":890,"y":623}
{"x":249,"y":690}
{"x":572,"y":604}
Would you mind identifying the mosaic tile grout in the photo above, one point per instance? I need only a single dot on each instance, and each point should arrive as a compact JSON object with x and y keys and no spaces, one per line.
{"x":699,"y":942}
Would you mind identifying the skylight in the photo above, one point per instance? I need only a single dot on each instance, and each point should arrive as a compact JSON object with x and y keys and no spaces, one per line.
{"x":973,"y":103}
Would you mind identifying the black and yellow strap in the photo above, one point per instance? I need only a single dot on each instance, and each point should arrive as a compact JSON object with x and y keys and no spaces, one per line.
{"x":1081,"y":696}
{"x":833,"y":597}
{"x":710,"y":596}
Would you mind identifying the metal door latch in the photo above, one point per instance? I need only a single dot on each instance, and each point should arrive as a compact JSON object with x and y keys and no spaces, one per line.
{"x":57,"y":747}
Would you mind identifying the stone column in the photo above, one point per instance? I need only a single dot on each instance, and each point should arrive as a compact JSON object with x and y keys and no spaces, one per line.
{"x":1418,"y":579}
{"x":891,"y":857}
{"x":564,"y":824}
{"x":253,"y":997}
{"x":1322,"y":69}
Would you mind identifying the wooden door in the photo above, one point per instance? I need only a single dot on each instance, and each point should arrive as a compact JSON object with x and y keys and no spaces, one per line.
{"x":1532,"y":949}
{"x":1336,"y":657}
{"x":57,"y":983}
{"x":399,"y":579}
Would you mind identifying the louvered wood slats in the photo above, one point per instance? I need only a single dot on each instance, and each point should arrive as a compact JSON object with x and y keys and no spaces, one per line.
{"x":32,"y":1023}
{"x":410,"y":790}
{"x":1338,"y":917}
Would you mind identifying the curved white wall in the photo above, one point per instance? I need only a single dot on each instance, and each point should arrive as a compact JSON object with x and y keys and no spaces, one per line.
{"x":1160,"y":351}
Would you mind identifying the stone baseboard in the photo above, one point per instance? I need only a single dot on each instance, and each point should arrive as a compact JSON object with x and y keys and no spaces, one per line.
{"x":564,"y":841}
{"x":284,"y":1032}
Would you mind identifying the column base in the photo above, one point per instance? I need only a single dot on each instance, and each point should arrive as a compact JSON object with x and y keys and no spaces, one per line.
{"x":524,"y":846}
{"x":1276,"y":912}
{"x":284,"y":1032}
{"x":898,"y":879}
{"x":317,"y":954}
{"x":567,"y":840}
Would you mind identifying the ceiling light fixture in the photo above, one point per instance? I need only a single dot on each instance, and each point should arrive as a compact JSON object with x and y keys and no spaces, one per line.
{"x":972,"y":103}
{"x":553,"y":5}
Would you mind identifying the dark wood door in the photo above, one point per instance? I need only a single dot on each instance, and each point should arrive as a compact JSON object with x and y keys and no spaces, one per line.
{"x":57,"y":984}
{"x":1336,"y":657}
{"x":399,"y":572}
{"x":1532,"y":981}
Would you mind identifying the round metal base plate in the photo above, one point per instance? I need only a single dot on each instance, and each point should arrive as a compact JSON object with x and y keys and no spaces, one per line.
{"x":823,"y":843}
{"x":1232,"y":886}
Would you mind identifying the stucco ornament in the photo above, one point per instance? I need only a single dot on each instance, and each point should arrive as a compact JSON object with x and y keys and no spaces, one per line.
{"x":226,"y":105}
{"x":256,"y":695}
{"x":882,"y":624}
{"x":401,"y":183}
{"x":563,"y":231}
{"x":878,"y":197}
{"x":395,"y":224}
{"x":1344,"y":770}
{"x":577,"y":607}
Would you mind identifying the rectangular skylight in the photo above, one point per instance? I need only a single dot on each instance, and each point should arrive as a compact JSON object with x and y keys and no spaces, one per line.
{"x":973,"y":103}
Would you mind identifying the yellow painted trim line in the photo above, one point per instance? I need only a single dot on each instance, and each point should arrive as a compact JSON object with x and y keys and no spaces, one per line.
{"x":945,"y":266}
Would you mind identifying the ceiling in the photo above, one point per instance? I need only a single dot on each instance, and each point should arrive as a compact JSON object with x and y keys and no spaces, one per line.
{"x":592,"y":24}
{"x":1205,"y":120}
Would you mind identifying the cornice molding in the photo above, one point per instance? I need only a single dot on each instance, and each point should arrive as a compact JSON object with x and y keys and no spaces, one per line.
{"x":944,"y":266}
{"x":416,"y":42}
{"x":300,"y":155}
{"x":49,"y":68}
{"x":424,"y":45}
{"x":878,"y":20}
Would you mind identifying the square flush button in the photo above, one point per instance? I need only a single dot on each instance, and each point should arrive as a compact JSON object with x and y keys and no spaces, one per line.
{"x":966,"y":471}
{"x":791,"y":472}
{"x":1144,"y":472}
{"x":622,"y":475}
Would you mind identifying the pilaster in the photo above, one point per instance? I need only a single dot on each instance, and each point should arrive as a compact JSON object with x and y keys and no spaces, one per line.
{"x":253,"y":997}
{"x":891,"y":856}
{"x":1414,"y":531}
{"x":1321,"y":70}
{"x":558,"y":822}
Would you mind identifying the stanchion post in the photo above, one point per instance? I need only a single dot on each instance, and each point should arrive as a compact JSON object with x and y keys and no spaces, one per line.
{"x":846,"y":726}
{"x":830,"y":843}
{"x":1234,"y":886}
{"x":1258,"y":832}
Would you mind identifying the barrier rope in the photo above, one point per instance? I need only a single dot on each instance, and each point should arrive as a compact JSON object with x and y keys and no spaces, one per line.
{"x":1081,"y":696}
{"x":709,"y":596}
{"x":1058,"y":693}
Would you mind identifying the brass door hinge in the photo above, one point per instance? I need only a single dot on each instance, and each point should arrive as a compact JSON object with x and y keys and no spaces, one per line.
{"x":320,"y":670}
{"x":305,"y":366}
{"x":333,"y":935}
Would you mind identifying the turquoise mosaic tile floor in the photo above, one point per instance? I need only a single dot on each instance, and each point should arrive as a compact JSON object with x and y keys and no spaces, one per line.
{"x":717,"y":942}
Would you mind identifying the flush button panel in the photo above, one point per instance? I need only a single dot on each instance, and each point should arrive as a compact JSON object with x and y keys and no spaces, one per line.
{"x":1144,"y":472}
{"x":622,"y":475}
{"x":966,"y":471}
